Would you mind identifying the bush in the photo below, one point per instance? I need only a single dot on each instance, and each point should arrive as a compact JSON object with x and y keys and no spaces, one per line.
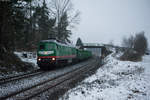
{"x":131,"y":55}
{"x":136,"y":47}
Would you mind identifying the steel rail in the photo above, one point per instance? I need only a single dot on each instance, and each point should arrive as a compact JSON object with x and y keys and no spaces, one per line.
{"x":68,"y":76}
{"x":18,"y":77}
{"x":41,"y":83}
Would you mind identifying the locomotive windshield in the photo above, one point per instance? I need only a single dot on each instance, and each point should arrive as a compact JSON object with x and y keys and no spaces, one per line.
{"x":47,"y":46}
{"x":42,"y":47}
{"x":50,"y":46}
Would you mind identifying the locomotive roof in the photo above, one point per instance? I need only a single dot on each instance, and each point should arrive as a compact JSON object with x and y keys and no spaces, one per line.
{"x":59,"y":43}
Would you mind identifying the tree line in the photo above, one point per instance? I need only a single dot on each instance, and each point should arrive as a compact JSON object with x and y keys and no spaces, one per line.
{"x":25,"y":22}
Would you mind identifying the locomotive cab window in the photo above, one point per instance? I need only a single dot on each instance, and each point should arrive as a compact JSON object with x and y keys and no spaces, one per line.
{"x":42,"y":47}
{"x":51,"y":46}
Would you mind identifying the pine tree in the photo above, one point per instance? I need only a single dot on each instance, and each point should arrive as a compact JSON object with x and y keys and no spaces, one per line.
{"x":79,"y":42}
{"x":6,"y":29}
{"x":21,"y":24}
{"x":13,"y":25}
{"x":43,"y":23}
{"x":63,"y":33}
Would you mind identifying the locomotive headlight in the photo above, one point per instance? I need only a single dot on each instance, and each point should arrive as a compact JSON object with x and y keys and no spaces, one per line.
{"x":39,"y":59}
{"x":53,"y":59}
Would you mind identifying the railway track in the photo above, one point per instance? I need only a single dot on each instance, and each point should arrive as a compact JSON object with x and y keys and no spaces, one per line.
{"x":18,"y":77}
{"x":33,"y":91}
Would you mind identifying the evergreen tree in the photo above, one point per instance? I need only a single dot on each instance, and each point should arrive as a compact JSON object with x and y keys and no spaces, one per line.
{"x":6,"y":29}
{"x":42,"y":22}
{"x":79,"y":42}
{"x":63,"y":33}
{"x":12,"y":23}
{"x":21,"y":25}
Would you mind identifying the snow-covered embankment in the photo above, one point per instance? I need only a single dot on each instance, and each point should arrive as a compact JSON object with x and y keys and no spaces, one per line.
{"x":29,"y":57}
{"x":116,"y":80}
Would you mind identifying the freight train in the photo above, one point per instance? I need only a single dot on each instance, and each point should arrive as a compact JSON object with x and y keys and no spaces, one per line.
{"x":52,"y":53}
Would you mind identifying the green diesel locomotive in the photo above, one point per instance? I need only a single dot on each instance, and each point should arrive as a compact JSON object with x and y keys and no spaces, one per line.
{"x":52,"y":53}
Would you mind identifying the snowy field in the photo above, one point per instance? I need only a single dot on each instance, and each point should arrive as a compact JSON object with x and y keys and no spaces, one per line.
{"x":116,"y":80}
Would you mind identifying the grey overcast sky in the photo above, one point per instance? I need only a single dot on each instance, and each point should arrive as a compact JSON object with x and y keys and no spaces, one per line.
{"x":103,"y":21}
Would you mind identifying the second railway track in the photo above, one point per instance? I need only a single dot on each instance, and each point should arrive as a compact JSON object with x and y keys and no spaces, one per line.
{"x":18,"y":77}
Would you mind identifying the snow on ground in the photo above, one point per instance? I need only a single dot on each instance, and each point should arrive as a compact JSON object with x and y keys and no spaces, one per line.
{"x":29,"y":57}
{"x":116,"y":80}
{"x":24,"y":83}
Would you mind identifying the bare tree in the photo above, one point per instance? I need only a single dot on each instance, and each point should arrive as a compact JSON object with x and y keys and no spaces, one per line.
{"x":125,"y":42}
{"x":140,"y":43}
{"x":59,"y":7}
{"x":66,"y":18}
{"x":128,"y":42}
